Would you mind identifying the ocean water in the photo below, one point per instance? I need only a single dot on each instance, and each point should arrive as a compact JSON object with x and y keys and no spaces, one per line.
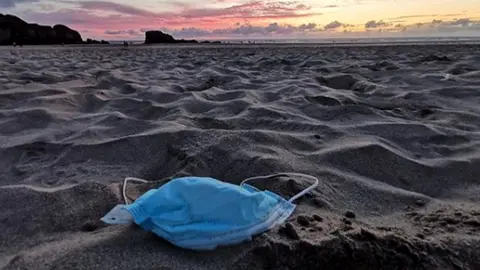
{"x":387,"y":40}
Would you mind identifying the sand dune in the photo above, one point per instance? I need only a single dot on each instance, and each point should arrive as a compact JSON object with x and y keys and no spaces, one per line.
{"x":392,"y":132}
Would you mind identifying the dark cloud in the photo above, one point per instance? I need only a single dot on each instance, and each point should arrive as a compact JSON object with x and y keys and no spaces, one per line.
{"x":424,"y":16}
{"x":238,"y":20}
{"x":463,"y":26}
{"x":84,"y":15}
{"x":12,"y":3}
{"x":413,"y":16}
{"x":110,"y":6}
{"x":375,"y":24}
{"x":273,"y":29}
{"x":462,"y":22}
{"x":253,"y":9}
{"x":303,"y":7}
{"x":333,"y":25}
{"x":190,"y":32}
{"x":72,"y":18}
{"x":276,"y":29}
{"x":114,"y":32}
{"x":124,"y":32}
{"x":307,"y":27}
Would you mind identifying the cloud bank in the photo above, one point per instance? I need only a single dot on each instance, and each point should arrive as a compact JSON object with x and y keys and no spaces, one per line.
{"x":230,"y":19}
{"x":12,"y":3}
{"x":311,"y":30}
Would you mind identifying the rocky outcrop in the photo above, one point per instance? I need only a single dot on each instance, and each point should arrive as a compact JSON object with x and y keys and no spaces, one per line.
{"x":211,"y":42}
{"x":14,"y":30}
{"x":67,"y":35}
{"x":153,"y":37}
{"x":93,"y":41}
{"x":158,"y":37}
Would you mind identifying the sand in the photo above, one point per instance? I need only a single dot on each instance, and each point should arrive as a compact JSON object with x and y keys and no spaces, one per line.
{"x":392,"y":132}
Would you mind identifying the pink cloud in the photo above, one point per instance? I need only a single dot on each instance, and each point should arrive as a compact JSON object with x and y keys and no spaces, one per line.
{"x":252,"y":10}
{"x":110,"y":6}
{"x":84,"y":16}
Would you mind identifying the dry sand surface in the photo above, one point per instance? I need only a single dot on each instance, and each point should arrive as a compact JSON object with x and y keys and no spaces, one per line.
{"x":392,"y":132}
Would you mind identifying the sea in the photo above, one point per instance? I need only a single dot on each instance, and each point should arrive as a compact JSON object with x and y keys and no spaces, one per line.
{"x":388,"y":40}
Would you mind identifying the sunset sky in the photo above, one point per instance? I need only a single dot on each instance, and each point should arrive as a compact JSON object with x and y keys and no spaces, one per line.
{"x":250,"y":19}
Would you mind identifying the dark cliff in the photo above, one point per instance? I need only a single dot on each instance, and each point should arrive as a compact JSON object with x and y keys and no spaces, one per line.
{"x":15,"y":30}
{"x":152,"y":37}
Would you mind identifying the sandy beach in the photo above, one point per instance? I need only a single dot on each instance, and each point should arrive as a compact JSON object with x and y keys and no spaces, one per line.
{"x":392,"y":133}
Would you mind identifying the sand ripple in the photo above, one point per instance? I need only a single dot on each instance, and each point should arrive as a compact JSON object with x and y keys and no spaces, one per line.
{"x":383,"y":127}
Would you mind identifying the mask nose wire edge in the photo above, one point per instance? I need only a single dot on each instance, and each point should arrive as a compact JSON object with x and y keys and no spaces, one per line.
{"x":305,"y":191}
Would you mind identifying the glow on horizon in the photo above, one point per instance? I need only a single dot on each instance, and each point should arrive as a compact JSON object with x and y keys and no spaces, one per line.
{"x":120,"y":19}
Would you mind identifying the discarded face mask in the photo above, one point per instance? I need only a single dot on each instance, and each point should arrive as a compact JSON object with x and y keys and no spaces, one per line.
{"x":201,"y":213}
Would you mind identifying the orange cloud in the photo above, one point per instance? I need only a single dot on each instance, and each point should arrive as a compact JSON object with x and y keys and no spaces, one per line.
{"x":102,"y":19}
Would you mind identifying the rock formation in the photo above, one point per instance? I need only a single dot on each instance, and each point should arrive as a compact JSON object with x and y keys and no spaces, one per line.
{"x":93,"y":41}
{"x":14,"y":30}
{"x":152,"y":37}
{"x":211,"y":42}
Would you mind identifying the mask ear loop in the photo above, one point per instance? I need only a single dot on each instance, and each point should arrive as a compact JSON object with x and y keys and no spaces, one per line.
{"x":132,"y":179}
{"x":302,"y":193}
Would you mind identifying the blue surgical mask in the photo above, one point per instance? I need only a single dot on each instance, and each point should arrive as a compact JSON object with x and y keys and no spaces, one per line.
{"x":202,"y":213}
